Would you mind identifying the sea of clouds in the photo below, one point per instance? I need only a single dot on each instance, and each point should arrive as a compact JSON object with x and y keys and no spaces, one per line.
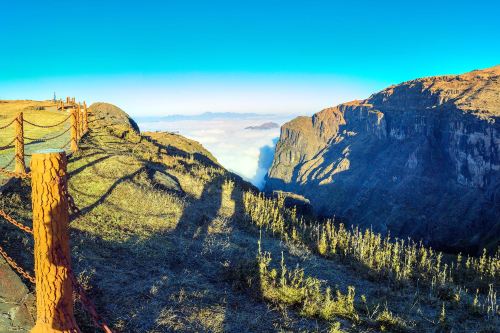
{"x":247,"y":152}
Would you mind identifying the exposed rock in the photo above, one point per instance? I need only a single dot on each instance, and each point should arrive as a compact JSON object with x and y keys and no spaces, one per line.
{"x":420,"y":159}
{"x":161,"y":179}
{"x":17,"y":308}
{"x":301,"y":204}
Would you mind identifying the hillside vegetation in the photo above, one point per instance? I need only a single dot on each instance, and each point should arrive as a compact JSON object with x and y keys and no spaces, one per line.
{"x":168,"y":240}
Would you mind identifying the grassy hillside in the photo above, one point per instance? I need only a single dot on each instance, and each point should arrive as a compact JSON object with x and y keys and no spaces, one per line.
{"x":168,"y":240}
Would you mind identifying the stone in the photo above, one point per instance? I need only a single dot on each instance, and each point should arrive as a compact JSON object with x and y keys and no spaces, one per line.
{"x":17,"y":304}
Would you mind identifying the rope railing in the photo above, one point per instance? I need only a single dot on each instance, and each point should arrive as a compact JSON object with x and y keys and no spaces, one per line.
{"x":51,"y":205}
{"x":11,"y":220}
{"x":42,"y":139}
{"x":78,"y":126}
{"x":14,"y":174}
{"x":15,"y":266}
{"x":65,"y":145}
{"x":8,"y":146}
{"x":47,"y":126}
{"x":8,"y":164}
{"x":87,"y":303}
{"x":5,"y":126}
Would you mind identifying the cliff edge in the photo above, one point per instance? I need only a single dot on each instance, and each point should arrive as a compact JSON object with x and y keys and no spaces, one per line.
{"x":419,"y":159}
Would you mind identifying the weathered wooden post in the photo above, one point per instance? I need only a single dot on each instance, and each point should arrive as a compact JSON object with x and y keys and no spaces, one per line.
{"x":54,"y":289}
{"x":80,"y":117}
{"x":85,"y":118}
{"x":19,"y":144}
{"x":77,"y":123}
{"x":74,"y":131}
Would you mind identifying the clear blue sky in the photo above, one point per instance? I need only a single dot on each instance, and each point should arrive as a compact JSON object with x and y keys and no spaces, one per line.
{"x":106,"y":47}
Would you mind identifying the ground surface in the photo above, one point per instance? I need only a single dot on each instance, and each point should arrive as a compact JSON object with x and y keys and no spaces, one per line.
{"x":163,"y":244}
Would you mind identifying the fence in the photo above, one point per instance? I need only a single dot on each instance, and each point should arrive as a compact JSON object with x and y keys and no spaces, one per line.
{"x":54,"y":279}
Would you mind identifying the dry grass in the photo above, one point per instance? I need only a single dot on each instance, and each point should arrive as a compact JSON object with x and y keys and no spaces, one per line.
{"x":468,"y":285}
{"x":169,"y":241}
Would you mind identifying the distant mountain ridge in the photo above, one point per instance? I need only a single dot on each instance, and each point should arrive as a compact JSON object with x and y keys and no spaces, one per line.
{"x":264,"y":126}
{"x":419,"y":159}
{"x":203,"y":116}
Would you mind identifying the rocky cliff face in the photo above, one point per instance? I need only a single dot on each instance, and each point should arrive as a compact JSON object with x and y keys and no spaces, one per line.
{"x":419,"y":159}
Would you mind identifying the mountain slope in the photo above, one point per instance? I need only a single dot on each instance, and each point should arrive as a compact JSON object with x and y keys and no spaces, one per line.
{"x":169,"y":241}
{"x":418,"y":159}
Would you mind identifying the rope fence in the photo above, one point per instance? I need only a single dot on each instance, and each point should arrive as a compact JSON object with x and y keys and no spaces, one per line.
{"x":75,"y":125}
{"x":48,"y":139}
{"x":54,"y":280}
{"x":47,"y":126}
{"x":5,"y":126}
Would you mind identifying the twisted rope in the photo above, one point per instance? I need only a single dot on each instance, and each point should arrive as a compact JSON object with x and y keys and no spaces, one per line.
{"x":14,"y":265}
{"x":73,"y":208}
{"x":9,"y":163}
{"x":9,"y":145}
{"x":87,"y":303}
{"x":46,"y":126}
{"x":66,"y":144}
{"x":15,"y":223}
{"x":15,"y":174}
{"x":33,"y":140}
{"x":5,"y":126}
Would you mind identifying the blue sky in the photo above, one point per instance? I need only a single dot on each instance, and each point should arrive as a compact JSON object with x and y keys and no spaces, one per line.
{"x":154,"y":57}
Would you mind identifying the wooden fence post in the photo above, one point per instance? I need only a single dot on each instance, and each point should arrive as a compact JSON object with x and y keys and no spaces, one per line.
{"x":54,"y":289}
{"x":80,"y":117}
{"x":85,"y":118}
{"x":19,"y":143}
{"x":77,"y":123}
{"x":74,"y":131}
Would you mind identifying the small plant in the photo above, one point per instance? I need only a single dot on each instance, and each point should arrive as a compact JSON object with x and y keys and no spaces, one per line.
{"x":442,"y":316}
{"x":293,"y":288}
{"x":335,"y":328}
{"x":389,"y":322}
{"x":322,"y":245}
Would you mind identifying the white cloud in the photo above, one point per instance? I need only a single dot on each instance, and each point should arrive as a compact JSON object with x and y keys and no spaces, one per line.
{"x":236,"y":148}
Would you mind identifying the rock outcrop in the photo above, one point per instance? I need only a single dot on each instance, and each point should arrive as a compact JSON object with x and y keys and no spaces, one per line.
{"x":17,"y":305}
{"x":419,"y":159}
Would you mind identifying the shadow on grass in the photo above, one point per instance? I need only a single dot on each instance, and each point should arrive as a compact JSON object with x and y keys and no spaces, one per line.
{"x":157,"y":283}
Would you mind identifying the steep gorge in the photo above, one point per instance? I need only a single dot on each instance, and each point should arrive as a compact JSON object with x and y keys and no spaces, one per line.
{"x":419,"y":159}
